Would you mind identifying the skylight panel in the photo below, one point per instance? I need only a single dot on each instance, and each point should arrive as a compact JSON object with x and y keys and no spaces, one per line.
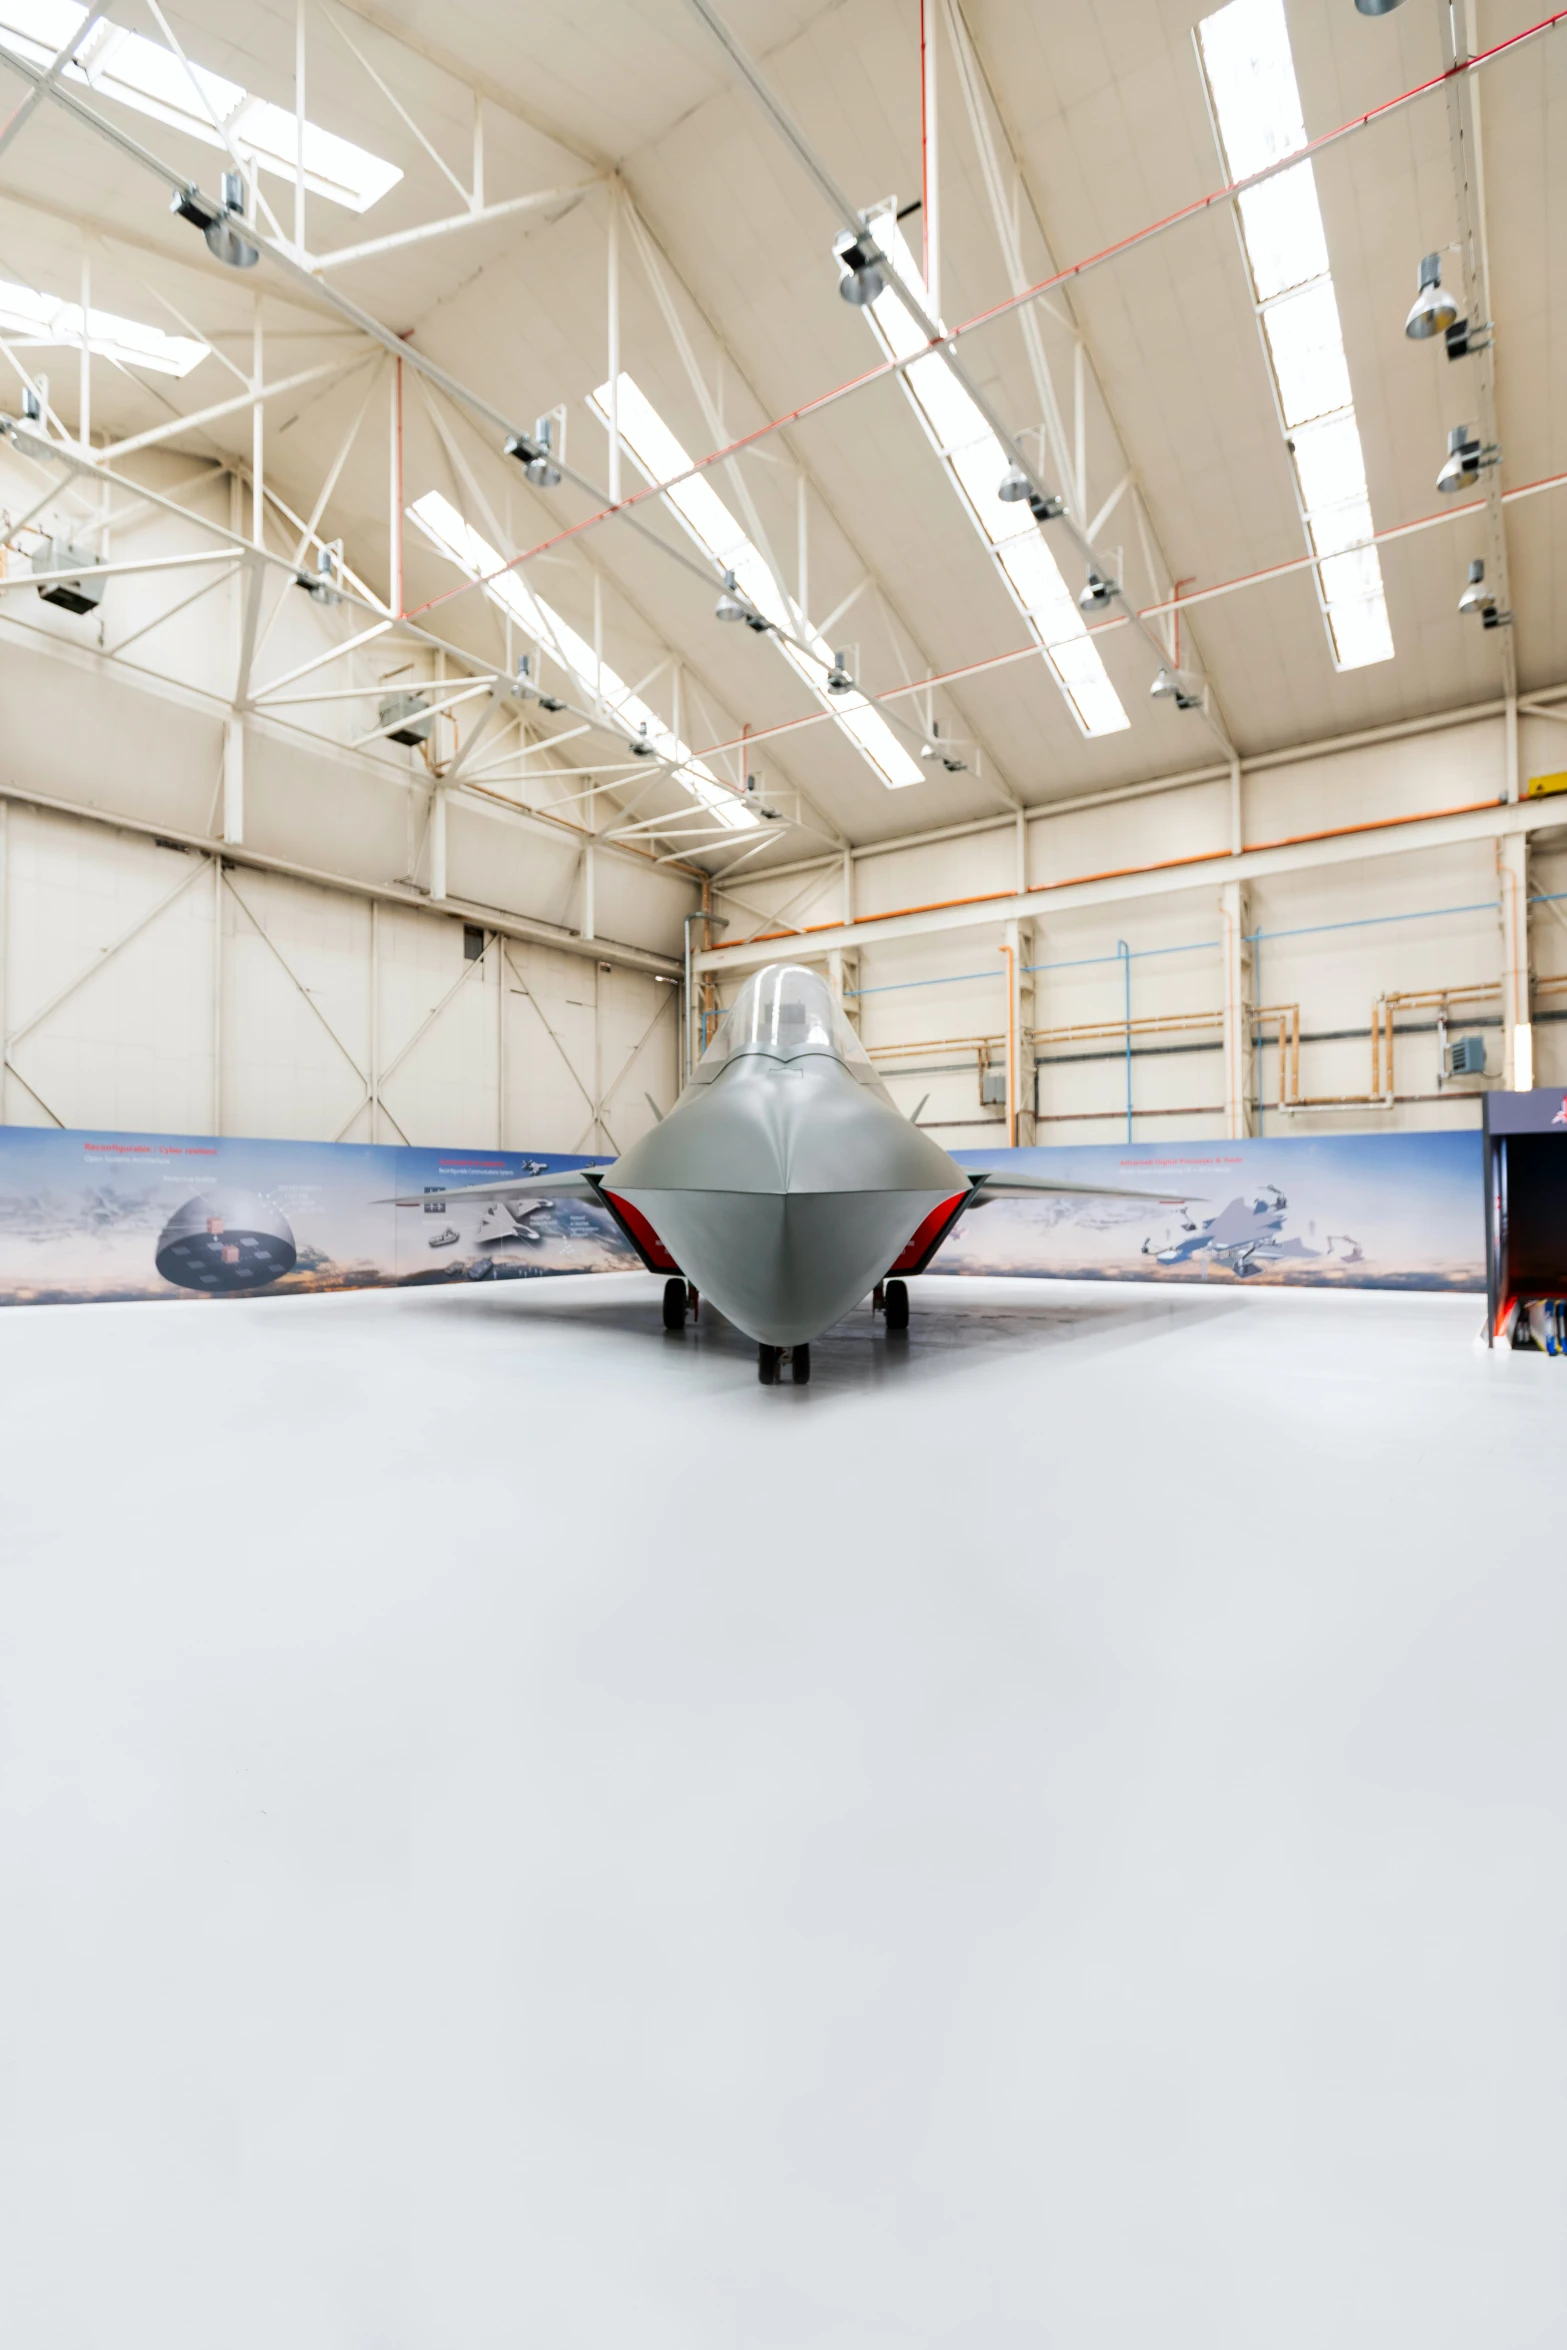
{"x":1329,"y":463}
{"x":975,"y":460}
{"x":473,"y":555}
{"x":1361,"y":634}
{"x":32,"y":319}
{"x":1308,"y":354}
{"x":661,"y":456}
{"x":1251,"y":73}
{"x":144,"y":74}
{"x":1333,"y":528}
{"x":334,"y":167}
{"x":1246,"y":57}
{"x":1285,"y":243}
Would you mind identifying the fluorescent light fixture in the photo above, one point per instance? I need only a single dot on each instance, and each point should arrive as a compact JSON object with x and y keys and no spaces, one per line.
{"x":37,"y":321}
{"x":975,"y":461}
{"x":1251,"y":78}
{"x":708,"y":520}
{"x":473,"y":555}
{"x":143,"y":74}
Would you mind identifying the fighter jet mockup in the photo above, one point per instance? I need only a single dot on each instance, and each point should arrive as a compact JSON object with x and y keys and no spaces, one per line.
{"x":785,"y":1184}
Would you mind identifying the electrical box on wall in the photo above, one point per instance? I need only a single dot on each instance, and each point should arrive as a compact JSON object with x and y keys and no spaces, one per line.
{"x":80,"y":594}
{"x":1465,"y":1057}
{"x":993,"y":1089}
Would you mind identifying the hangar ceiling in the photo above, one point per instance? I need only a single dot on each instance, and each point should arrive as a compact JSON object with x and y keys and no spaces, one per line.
{"x":619,"y":148}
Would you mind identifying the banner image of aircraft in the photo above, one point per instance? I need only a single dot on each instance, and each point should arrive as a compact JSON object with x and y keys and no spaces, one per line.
{"x":1247,"y":1235}
{"x":785,"y":1185}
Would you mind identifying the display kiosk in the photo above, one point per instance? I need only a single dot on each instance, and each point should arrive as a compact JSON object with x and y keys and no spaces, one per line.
{"x":1526,"y":1218}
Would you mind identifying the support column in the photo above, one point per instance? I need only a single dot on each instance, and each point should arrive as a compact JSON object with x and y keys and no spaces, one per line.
{"x":394,"y":520}
{"x":84,"y":395}
{"x":1237,"y":963}
{"x":930,"y":177}
{"x":843,"y":977}
{"x":5,"y":945}
{"x":1015,"y":953}
{"x":589,"y":879}
{"x":234,"y":780}
{"x":438,"y":843}
{"x":500,"y":1040}
{"x":1512,"y":885}
{"x":612,"y":341}
{"x":1023,"y":1021}
{"x":258,"y":507}
{"x":374,"y":1056}
{"x":217,"y":995}
{"x":299,"y":127}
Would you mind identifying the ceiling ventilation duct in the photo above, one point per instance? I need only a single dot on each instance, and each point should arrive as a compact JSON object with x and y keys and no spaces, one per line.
{"x":81,"y":593}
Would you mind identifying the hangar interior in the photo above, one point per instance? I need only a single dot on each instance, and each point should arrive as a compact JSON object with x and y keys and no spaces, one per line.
{"x":514,"y":522}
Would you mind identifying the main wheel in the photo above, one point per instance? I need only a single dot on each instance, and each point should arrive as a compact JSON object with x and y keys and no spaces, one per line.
{"x":767,"y":1365}
{"x":800,"y":1365}
{"x":674,"y":1305}
{"x":897,"y":1305}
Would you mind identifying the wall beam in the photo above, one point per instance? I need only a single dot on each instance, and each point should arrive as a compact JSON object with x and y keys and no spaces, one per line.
{"x":1398,"y":836}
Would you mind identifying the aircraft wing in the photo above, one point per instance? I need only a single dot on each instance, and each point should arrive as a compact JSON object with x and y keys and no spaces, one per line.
{"x":564,"y":1183}
{"x":1012,"y":1183}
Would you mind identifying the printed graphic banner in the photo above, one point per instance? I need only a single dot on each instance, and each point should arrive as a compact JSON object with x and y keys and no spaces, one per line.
{"x":88,"y":1216}
{"x":96,"y":1216}
{"x":1343,"y":1211}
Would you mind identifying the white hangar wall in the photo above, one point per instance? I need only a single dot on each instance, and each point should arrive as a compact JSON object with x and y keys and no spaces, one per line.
{"x":157,"y":988}
{"x":234,"y":926}
{"x":1372,"y":872}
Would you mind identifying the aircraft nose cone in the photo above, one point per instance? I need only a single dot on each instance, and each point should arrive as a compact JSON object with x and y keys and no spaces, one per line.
{"x":784,"y":1192}
{"x":783,"y":1266}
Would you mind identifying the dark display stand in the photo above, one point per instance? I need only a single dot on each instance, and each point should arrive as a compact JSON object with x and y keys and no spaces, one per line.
{"x":1525,"y":1201}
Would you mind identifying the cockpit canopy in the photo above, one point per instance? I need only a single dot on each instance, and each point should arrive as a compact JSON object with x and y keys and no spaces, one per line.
{"x":786,"y":1013}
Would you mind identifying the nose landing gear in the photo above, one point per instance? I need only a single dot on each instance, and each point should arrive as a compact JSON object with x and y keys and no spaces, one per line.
{"x":680,"y":1299}
{"x":770,"y":1361}
{"x":895,"y":1305}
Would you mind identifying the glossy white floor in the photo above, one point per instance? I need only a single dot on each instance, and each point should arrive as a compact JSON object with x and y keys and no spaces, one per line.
{"x":515,"y":1834}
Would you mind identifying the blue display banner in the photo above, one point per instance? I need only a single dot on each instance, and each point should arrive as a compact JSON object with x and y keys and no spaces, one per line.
{"x":1341,"y":1211}
{"x":94,"y":1216}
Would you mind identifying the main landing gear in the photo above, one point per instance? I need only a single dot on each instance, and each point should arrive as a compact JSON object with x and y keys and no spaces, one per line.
{"x":770,"y":1361}
{"x":680,"y":1299}
{"x":892,"y":1299}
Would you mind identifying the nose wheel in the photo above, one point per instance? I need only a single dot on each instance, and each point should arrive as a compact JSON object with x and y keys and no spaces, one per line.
{"x":770,"y":1361}
{"x":679,"y":1301}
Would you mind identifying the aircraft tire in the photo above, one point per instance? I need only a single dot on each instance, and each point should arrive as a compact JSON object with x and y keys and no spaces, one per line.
{"x":767,"y":1365}
{"x":674,"y":1305}
{"x":897,"y":1305}
{"x":800,"y":1365}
